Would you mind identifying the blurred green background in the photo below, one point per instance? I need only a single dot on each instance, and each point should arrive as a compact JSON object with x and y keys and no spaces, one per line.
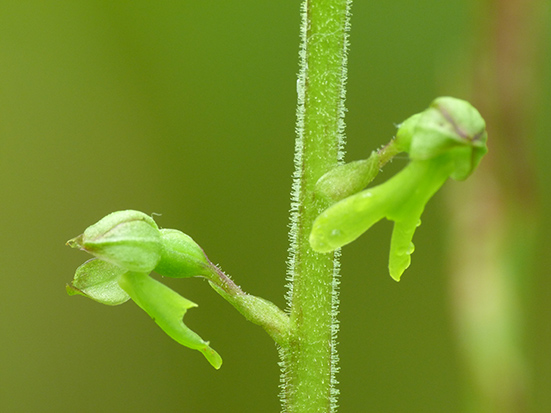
{"x":187,"y":109}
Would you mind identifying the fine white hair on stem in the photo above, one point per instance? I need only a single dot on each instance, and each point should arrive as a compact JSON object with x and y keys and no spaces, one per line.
{"x":339,"y":92}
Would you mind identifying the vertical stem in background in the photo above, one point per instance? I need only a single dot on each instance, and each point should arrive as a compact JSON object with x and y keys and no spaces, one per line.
{"x":495,"y":212}
{"x":309,"y":364}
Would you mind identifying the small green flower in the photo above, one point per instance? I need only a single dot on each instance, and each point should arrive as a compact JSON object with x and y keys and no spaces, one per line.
{"x":446,"y":140}
{"x":128,"y":245}
{"x":129,"y":239}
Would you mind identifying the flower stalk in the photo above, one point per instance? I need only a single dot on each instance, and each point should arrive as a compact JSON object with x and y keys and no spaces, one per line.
{"x":309,"y":363}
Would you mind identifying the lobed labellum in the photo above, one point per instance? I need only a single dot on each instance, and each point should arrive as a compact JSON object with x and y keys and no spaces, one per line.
{"x":167,"y":308}
{"x":401,"y":199}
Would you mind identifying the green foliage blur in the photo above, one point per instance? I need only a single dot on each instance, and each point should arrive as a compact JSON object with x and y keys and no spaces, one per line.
{"x":187,"y":109}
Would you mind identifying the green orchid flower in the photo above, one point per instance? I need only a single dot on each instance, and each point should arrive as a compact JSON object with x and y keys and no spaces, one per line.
{"x":446,"y":140}
{"x":128,"y":245}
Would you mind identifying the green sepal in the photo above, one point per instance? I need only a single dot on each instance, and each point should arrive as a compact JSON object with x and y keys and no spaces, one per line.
{"x":181,"y":256}
{"x":97,"y":280}
{"x":167,"y":308}
{"x":129,"y":239}
{"x":449,"y":125}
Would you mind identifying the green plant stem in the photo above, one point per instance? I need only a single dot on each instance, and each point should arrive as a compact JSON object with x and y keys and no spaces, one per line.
{"x":255,"y":309}
{"x":309,"y":362}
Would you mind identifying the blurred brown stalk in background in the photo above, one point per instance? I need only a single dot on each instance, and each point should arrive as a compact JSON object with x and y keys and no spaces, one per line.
{"x":494,"y":214}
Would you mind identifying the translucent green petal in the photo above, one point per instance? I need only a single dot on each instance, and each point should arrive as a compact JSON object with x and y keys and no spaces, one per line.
{"x":97,"y":280}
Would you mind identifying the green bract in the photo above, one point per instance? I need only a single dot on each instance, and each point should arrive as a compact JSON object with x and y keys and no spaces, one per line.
{"x":129,"y":239}
{"x":448,"y":139}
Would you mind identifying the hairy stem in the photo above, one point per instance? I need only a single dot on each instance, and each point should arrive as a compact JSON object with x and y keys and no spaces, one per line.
{"x":309,"y":362}
{"x":255,"y":309}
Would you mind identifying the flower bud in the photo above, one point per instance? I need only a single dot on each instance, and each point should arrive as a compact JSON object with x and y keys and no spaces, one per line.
{"x":129,"y":239}
{"x":181,"y":256}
